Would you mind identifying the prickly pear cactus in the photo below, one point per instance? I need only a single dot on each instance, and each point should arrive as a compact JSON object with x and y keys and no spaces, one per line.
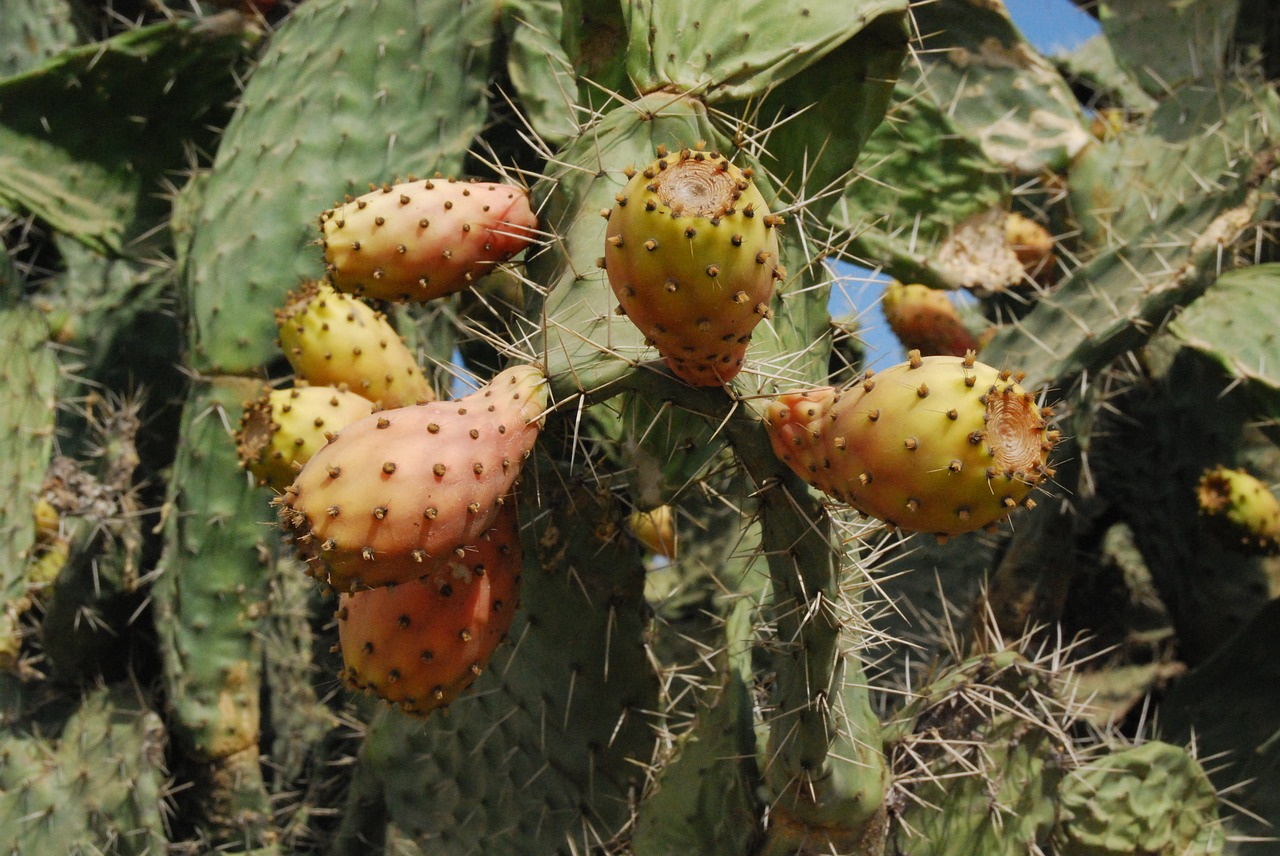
{"x":538,"y":504}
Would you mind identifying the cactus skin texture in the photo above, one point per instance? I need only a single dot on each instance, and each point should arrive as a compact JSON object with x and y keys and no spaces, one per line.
{"x":401,"y":486}
{"x":924,"y":319}
{"x":421,"y":643}
{"x":335,"y":339}
{"x":692,"y":255}
{"x":419,"y":240}
{"x":936,"y":444}
{"x":1242,"y":510}
{"x":280,"y":431}
{"x":1152,"y":799}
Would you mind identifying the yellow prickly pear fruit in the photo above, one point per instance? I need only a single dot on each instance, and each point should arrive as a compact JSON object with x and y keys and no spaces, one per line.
{"x":334,"y":339}
{"x":1033,"y":245}
{"x":655,"y":529}
{"x":1244,"y":511}
{"x":280,"y":431}
{"x":936,"y":444}
{"x":691,"y":252}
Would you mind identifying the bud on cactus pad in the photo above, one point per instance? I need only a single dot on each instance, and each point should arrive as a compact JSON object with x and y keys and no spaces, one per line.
{"x":336,"y":339}
{"x":1242,"y":510}
{"x":280,"y":431}
{"x":692,"y":255}
{"x":403,"y":486}
{"x":421,"y":643}
{"x":925,"y":319}
{"x":655,"y":529}
{"x":420,"y":240}
{"x":936,"y":444}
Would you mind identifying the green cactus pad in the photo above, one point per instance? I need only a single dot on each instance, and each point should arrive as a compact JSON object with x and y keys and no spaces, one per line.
{"x":1152,"y":799}
{"x":401,"y":91}
{"x":153,"y":91}
{"x":920,"y":176}
{"x":97,"y":788}
{"x":997,"y":87}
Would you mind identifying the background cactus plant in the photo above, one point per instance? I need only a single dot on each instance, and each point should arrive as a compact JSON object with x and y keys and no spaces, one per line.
{"x":794,"y":678}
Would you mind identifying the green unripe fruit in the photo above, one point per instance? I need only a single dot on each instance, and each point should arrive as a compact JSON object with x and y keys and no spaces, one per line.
{"x":1242,"y":510}
{"x":936,"y":444}
{"x":692,"y":255}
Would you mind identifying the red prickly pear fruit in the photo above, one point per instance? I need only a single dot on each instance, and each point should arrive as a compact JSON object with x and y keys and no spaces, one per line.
{"x":421,"y":643}
{"x":280,"y":431}
{"x":925,"y":319}
{"x":936,"y":444}
{"x":398,"y":488}
{"x":1242,"y":511}
{"x":338,"y":340}
{"x":419,"y":240}
{"x":691,"y":253}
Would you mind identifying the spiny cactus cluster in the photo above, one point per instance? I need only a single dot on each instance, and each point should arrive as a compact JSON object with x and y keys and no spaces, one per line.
{"x":542,"y":506}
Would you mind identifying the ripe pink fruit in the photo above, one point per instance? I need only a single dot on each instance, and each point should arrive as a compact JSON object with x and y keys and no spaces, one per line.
{"x":420,"y":240}
{"x":421,"y":643}
{"x":402,"y":487}
{"x":692,"y":255}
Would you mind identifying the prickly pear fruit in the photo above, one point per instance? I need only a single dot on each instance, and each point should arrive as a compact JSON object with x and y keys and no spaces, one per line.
{"x":1033,"y":245}
{"x":334,"y":339}
{"x":925,"y":319}
{"x":419,"y":240}
{"x":1242,"y":510}
{"x":655,"y":529}
{"x":280,"y":431}
{"x":936,"y":444}
{"x":421,"y":643}
{"x":692,"y":255}
{"x":403,"y":486}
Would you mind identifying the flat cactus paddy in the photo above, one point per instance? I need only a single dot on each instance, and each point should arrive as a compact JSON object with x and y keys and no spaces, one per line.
{"x":936,"y":444}
{"x":421,"y":643}
{"x":1241,"y":510}
{"x":691,"y":252}
{"x":397,"y":489}
{"x":423,"y":239}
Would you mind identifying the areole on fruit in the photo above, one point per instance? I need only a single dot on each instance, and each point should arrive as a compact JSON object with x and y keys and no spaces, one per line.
{"x":936,"y":444}
{"x":691,"y":253}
